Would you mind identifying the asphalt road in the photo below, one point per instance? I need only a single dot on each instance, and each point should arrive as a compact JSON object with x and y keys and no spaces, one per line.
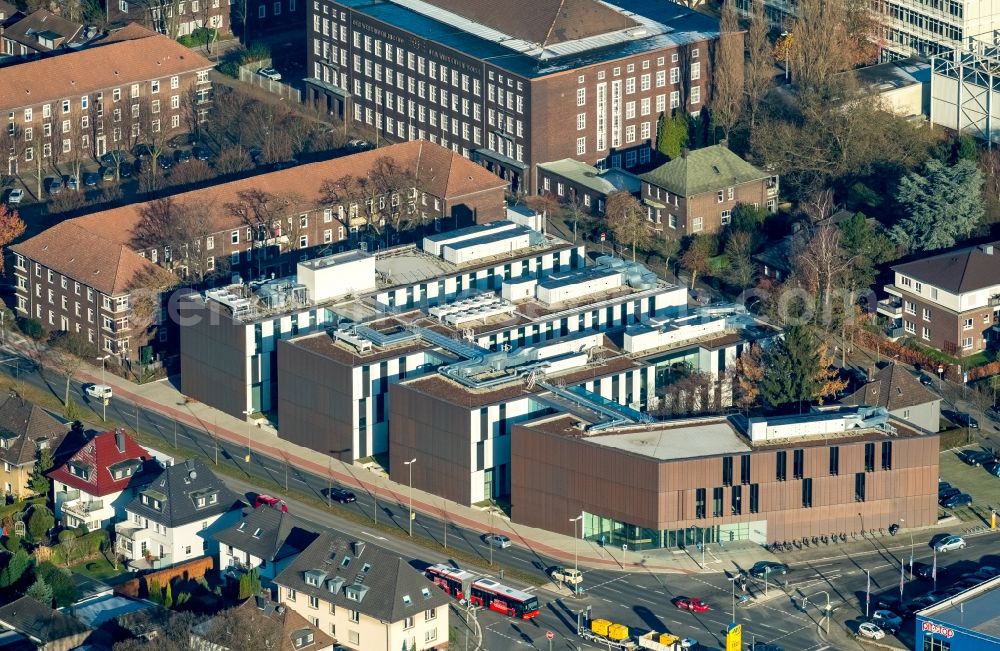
{"x":640,"y":601}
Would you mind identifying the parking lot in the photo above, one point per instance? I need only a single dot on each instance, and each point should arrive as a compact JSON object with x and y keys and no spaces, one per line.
{"x":982,"y":486}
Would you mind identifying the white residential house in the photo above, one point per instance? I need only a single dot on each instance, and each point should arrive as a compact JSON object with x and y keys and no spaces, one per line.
{"x":94,"y":484}
{"x":265,"y":538}
{"x":174,"y":518}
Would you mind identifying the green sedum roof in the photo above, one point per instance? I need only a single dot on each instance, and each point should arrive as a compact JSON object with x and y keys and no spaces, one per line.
{"x":703,"y":170}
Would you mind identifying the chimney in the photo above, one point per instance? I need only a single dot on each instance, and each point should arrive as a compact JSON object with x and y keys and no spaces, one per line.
{"x":871,"y":373}
{"x":684,"y":152}
{"x":358,"y":548}
{"x":120,"y":440}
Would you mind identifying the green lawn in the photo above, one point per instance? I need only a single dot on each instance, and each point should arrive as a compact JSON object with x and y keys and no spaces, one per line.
{"x":99,"y":568}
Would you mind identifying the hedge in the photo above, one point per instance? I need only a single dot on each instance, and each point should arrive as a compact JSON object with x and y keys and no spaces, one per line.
{"x":85,"y":547}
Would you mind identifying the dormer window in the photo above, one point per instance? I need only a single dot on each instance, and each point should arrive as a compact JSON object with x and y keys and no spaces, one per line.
{"x":346,"y":561}
{"x":314,"y":578}
{"x":242,"y":527}
{"x":425,"y":593}
{"x":257,"y":532}
{"x":406,"y":600}
{"x":356,"y":592}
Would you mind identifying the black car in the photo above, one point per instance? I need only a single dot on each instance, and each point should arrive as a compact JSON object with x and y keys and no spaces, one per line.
{"x":342,"y":495}
{"x":769,"y":568}
{"x":182,"y":155}
{"x":923,"y":571}
{"x":992,"y":467}
{"x":201,"y":153}
{"x":977,"y":457}
{"x":926,"y":380}
{"x":165,"y":162}
{"x":946,"y":493}
{"x":760,"y":646}
{"x":960,"y":419}
{"x":125,"y":170}
{"x":112,"y":157}
{"x":961,"y":499}
{"x":91,"y":179}
{"x":141,"y":150}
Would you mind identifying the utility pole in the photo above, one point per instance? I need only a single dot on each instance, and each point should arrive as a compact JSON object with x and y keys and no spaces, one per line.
{"x":409,"y":464}
{"x":104,"y":400}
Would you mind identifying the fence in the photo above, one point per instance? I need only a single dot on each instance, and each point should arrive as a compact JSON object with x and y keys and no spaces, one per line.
{"x":248,"y":75}
{"x":193,"y":569}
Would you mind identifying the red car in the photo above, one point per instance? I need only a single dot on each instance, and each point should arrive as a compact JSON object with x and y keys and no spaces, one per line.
{"x":273,"y":502}
{"x":692,"y":604}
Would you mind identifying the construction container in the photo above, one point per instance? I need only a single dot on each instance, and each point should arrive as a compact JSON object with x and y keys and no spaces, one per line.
{"x":668,"y":639}
{"x":618,"y":632}
{"x":600,"y":626}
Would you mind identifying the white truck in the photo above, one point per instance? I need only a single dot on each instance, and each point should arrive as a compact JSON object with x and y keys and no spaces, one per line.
{"x":566,"y":576}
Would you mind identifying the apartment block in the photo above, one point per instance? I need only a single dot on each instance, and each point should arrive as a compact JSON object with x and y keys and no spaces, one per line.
{"x":950,"y":301}
{"x":88,"y":101}
{"x":512,"y":86}
{"x":681,"y":483}
{"x":697,"y":192}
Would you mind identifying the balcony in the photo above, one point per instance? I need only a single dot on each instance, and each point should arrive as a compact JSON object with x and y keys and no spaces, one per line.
{"x":81,"y":509}
{"x":891,"y":307}
{"x":895,"y":332}
{"x":892,"y":290}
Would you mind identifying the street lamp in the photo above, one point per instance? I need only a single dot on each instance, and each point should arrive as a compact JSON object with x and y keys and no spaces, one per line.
{"x":409,"y":464}
{"x":805,"y":602}
{"x":576,"y":558}
{"x":902,"y":522}
{"x":248,"y":413}
{"x":104,"y":400}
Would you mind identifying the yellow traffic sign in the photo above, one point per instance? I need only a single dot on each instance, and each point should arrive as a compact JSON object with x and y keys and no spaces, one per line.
{"x":734,"y":637}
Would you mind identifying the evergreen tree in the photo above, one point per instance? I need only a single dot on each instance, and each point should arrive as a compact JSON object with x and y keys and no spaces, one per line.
{"x":940,"y":206}
{"x":672,"y":135}
{"x":40,"y":521}
{"x":40,"y":591}
{"x":244,"y":592}
{"x":168,"y":598}
{"x":16,"y":567}
{"x":60,"y":581}
{"x":792,"y":369}
{"x":155,"y":592}
{"x":40,"y":484}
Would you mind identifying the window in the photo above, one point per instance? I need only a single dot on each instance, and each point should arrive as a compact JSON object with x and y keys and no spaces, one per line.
{"x":835,"y":460}
{"x":65,"y":106}
{"x":927,"y":314}
{"x":262,"y":11}
{"x":967,"y":325}
{"x":869,"y":457}
{"x":886,"y":455}
{"x":699,"y":503}
{"x":859,"y":487}
{"x":581,"y":121}
{"x":313,"y":602}
{"x":291,"y":594}
{"x":798,"y":463}
{"x":407,"y":622}
{"x":967,"y":342}
{"x":781,"y":465}
{"x":725,"y":217}
{"x":234,"y":237}
{"x":745,"y":468}
{"x":581,"y":146}
{"x":807,"y":493}
{"x":754,"y":498}
{"x":737,"y":500}
{"x":581,"y":96}
{"x":675,"y":75}
{"x":354,"y":616}
{"x":727,"y":471}
{"x":926,"y":333}
{"x":717,"y":502}
{"x":696,"y":95}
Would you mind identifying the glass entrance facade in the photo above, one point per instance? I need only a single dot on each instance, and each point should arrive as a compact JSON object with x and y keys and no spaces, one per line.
{"x":606,"y":531}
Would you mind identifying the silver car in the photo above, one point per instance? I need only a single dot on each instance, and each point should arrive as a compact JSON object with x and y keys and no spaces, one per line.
{"x":497,"y":540}
{"x":949,"y":543}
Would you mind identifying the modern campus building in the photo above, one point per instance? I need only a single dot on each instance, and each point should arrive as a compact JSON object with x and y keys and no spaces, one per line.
{"x":969,"y":621}
{"x":963,"y":88}
{"x":497,"y":82}
{"x":950,"y":301}
{"x":677,"y":483}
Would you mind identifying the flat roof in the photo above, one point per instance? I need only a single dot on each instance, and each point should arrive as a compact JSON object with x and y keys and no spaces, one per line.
{"x":588,"y":176}
{"x":672,"y":440}
{"x":684,"y":26}
{"x":975,"y":609}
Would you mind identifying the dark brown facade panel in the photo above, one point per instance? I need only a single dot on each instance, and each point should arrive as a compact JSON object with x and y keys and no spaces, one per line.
{"x":213,"y":358}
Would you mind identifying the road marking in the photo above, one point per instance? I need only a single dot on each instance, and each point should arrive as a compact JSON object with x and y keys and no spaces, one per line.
{"x":648,"y":601}
{"x":371,"y":535}
{"x":613,"y":590}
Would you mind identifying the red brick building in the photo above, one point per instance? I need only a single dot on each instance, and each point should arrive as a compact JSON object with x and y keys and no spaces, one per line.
{"x":97,"y":99}
{"x":87,"y":288}
{"x":512,"y":85}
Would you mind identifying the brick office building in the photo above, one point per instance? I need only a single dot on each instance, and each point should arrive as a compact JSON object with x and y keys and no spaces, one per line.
{"x":951,"y":301}
{"x":172,"y":18}
{"x":87,"y":290}
{"x":680,"y":483}
{"x":512,"y":85}
{"x":99,"y":98}
{"x":697,"y":192}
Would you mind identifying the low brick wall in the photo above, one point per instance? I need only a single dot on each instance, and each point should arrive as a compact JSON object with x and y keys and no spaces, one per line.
{"x":193,"y":569}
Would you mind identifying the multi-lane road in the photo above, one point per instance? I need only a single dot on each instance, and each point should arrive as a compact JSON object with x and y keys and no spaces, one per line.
{"x":642,"y":601}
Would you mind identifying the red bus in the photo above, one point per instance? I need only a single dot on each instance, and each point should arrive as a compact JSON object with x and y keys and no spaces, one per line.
{"x":483,"y":592}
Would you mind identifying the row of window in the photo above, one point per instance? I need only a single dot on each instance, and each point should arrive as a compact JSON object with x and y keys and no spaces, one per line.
{"x":718,"y":499}
{"x":645,"y":82}
{"x":66,"y":105}
{"x":630,"y":68}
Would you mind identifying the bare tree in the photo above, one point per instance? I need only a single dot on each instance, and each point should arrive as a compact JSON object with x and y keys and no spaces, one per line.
{"x":820,"y":47}
{"x":759,"y":68}
{"x":727,"y":100}
{"x":146,"y":296}
{"x":12,"y":141}
{"x":233,"y":160}
{"x":243,"y":629}
{"x":384,"y":198}
{"x":739,"y":254}
{"x":178,"y":229}
{"x":821,"y":263}
{"x":627,"y":220}
{"x":698,"y":257}
{"x":262,"y":213}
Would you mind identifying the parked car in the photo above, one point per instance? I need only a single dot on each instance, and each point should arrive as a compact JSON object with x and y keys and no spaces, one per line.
{"x":98,"y":391}
{"x":142,"y":150}
{"x":15,"y":196}
{"x":871,"y":631}
{"x":201,"y":152}
{"x":977,"y":457}
{"x":342,"y":495}
{"x":955,"y":501}
{"x":165,"y":162}
{"x":91,"y":179}
{"x":182,"y":155}
{"x":72,"y":183}
{"x":55,"y":186}
{"x":926,"y":380}
{"x":270,"y":73}
{"x":947,"y":492}
{"x":269,"y":500}
{"x":948,"y":543}
{"x":113,"y":157}
{"x":125,"y":170}
{"x":693,"y":604}
{"x":967,"y":583}
{"x":767,"y":568}
{"x":960,"y":419}
{"x":992,"y":467}
{"x":986,"y":572}
{"x":497,"y":540}
{"x":888,"y":620}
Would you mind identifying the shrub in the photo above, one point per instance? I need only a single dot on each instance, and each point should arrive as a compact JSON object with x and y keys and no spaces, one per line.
{"x":40,"y":521}
{"x":64,"y":590}
{"x":67,"y":534}
{"x":31,"y":327}
{"x":199,"y":36}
